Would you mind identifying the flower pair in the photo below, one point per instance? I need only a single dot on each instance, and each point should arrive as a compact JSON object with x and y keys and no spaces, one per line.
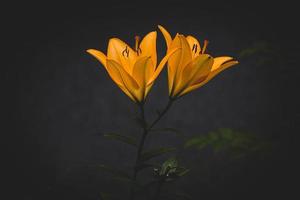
{"x":135,"y":70}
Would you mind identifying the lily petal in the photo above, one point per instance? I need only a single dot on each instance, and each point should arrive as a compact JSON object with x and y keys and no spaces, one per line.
{"x":121,"y":52}
{"x":179,"y":61}
{"x":219,"y":67}
{"x":202,"y":68}
{"x":161,"y":65}
{"x":166,"y":35}
{"x":148,"y":46}
{"x":127,"y":93}
{"x":218,"y":61}
{"x":140,"y":74}
{"x":129,"y":83}
{"x":117,"y":78}
{"x":99,"y":55}
{"x":195,"y":72}
{"x":194,"y":45}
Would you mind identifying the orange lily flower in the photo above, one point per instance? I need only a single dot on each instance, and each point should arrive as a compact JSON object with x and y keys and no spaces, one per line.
{"x":190,"y":68}
{"x":134,"y":71}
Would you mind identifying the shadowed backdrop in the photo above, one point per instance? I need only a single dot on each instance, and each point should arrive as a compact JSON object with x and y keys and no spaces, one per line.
{"x":65,"y":99}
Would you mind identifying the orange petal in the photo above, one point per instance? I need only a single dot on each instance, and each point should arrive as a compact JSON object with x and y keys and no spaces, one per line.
{"x":128,"y":82}
{"x":179,"y":61}
{"x":166,"y":35}
{"x":148,"y":46}
{"x":194,"y":45}
{"x":122,"y":53}
{"x":139,"y":73}
{"x":161,"y":65}
{"x":195,"y":72}
{"x":99,"y":55}
{"x":218,"y":61}
{"x":212,"y":74}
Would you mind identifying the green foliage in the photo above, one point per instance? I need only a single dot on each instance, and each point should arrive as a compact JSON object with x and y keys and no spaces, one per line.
{"x":170,"y":170}
{"x":169,"y":166}
{"x":258,"y":47}
{"x":155,"y":152}
{"x":122,"y":138}
{"x":237,"y":143}
{"x":261,"y":51}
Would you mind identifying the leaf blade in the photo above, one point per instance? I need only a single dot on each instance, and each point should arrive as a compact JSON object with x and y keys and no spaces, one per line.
{"x":122,"y":138}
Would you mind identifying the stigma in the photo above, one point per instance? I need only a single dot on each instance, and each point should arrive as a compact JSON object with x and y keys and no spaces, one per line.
{"x":204,"y":46}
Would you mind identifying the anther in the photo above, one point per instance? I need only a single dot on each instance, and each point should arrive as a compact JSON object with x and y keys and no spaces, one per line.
{"x":195,"y":46}
{"x":126,"y":51}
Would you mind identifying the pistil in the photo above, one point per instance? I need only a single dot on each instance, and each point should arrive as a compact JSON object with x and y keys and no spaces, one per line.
{"x":204,"y":46}
{"x":138,"y":50}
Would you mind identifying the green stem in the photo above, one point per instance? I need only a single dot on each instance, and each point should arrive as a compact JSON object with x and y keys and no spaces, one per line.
{"x":161,"y":114}
{"x":139,"y":151}
{"x":146,"y":130}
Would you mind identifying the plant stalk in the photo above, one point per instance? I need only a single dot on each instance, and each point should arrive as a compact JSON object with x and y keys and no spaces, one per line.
{"x":146,"y":130}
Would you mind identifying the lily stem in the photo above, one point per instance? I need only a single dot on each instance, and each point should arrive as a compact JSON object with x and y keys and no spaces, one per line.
{"x":162,"y":113}
{"x":146,"y":130}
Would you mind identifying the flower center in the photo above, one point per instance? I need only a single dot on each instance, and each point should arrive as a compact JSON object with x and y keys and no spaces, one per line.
{"x":137,"y":48}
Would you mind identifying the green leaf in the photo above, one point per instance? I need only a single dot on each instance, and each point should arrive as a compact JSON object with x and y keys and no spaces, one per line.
{"x":169,"y":166}
{"x":199,"y":142}
{"x":237,"y":143}
{"x":122,"y":138}
{"x":115,"y":172}
{"x":155,"y":152}
{"x":182,"y":171}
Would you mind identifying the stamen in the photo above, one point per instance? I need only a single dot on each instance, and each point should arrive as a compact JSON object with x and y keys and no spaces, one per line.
{"x":126,"y":51}
{"x":204,"y":46}
{"x":195,"y":46}
{"x":138,"y":50}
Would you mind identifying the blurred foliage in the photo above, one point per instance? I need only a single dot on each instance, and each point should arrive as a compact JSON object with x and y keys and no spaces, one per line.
{"x":238,"y":144}
{"x":262,"y":52}
{"x":170,"y":170}
{"x":122,"y":138}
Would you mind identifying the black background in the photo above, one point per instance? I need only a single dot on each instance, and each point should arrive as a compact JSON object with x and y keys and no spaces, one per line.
{"x":63,"y":99}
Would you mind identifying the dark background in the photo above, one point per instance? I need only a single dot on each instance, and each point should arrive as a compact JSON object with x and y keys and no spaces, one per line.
{"x":63,"y":99}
